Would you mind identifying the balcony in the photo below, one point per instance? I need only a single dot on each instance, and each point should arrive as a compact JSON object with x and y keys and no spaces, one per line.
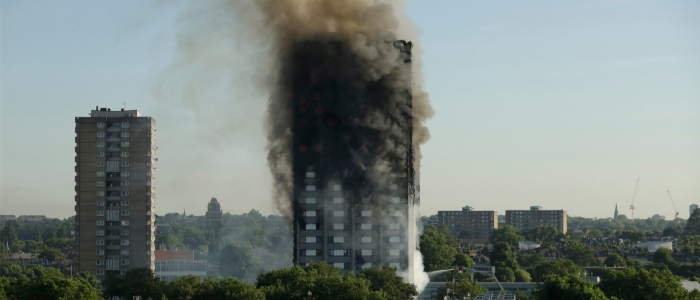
{"x":113,"y":198}
{"x":114,"y":247}
{"x":113,"y":139}
{"x":112,"y":237}
{"x":113,"y":149}
{"x":114,"y":129}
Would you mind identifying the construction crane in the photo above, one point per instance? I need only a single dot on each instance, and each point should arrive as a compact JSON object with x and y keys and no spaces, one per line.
{"x":674,"y":208}
{"x":633,"y":197}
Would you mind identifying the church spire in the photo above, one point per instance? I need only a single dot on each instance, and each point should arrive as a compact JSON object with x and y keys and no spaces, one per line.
{"x":616,"y":211}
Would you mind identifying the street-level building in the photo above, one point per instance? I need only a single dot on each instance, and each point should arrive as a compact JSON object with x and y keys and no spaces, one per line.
{"x":536,"y":216}
{"x":468,"y":223}
{"x":115,"y":192}
{"x":171,"y":264}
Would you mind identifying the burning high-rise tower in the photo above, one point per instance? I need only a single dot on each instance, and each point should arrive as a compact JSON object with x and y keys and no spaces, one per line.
{"x":352,"y":160}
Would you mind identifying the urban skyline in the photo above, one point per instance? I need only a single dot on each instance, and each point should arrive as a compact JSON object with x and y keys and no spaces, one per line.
{"x":564,"y":117}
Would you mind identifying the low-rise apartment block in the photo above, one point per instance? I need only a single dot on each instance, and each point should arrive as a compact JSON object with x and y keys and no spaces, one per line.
{"x":529,"y":219}
{"x":468,"y":223}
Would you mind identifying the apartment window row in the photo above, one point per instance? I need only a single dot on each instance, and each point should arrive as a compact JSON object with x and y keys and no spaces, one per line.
{"x":310,"y":239}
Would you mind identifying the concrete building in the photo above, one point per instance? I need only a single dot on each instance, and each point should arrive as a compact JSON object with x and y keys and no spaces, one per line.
{"x":214,"y":213}
{"x":475,"y":224}
{"x":658,"y":217}
{"x":344,"y":215}
{"x":32,"y":218}
{"x":4,"y":218}
{"x":693,"y":207}
{"x":115,"y":192}
{"x":171,"y":264}
{"x":529,"y":219}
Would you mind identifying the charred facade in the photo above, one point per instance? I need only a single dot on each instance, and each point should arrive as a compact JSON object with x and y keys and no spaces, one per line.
{"x":352,"y":159}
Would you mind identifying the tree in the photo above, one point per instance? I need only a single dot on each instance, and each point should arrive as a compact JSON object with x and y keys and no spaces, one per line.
{"x":317,"y":281}
{"x":557,"y":267}
{"x":542,"y":234}
{"x":640,"y":283}
{"x":9,"y":238}
{"x":531,"y":260}
{"x":508,"y":234}
{"x":568,"y":288}
{"x":522,"y":276}
{"x":136,"y":282}
{"x":192,"y":287}
{"x":437,"y":253}
{"x":240,"y":260}
{"x":580,"y":254}
{"x":634,"y":235}
{"x":386,"y":280}
{"x":52,"y":255}
{"x":463,"y":260}
{"x":505,"y":262}
{"x":664,"y":256}
{"x":615,"y":260}
{"x":594,"y":233}
{"x":463,"y":287}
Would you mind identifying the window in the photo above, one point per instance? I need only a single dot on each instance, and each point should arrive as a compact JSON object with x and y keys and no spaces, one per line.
{"x":148,"y":183}
{"x":100,"y":262}
{"x":394,"y":226}
{"x":366,"y":226}
{"x":125,"y":232}
{"x":396,"y":213}
{"x":338,"y":213}
{"x":100,"y":134}
{"x":100,"y":174}
{"x":339,"y":265}
{"x":125,"y":144}
{"x":100,"y":164}
{"x":100,"y":125}
{"x":100,"y":193}
{"x":394,"y":200}
{"x":125,"y":261}
{"x":100,"y":242}
{"x":338,"y":200}
{"x":125,"y":134}
{"x":306,"y":200}
{"x":100,"y":213}
{"x":125,"y":252}
{"x":310,"y":174}
{"x":338,"y":252}
{"x":100,"y":223}
{"x":100,"y":232}
{"x":125,"y":164}
{"x":124,"y":212}
{"x":100,"y":154}
{"x":366,"y":239}
{"x":125,"y":174}
{"x":125,"y":203}
{"x":112,"y":264}
{"x":112,"y":215}
{"x":338,"y":226}
{"x":125,"y":223}
{"x":125,"y":193}
{"x":395,"y":265}
{"x":310,"y":239}
{"x":125,"y":242}
{"x":308,"y":252}
{"x":394,"y":187}
{"x":394,"y":239}
{"x":100,"y":272}
{"x":122,"y":272}
{"x":338,"y":239}
{"x":125,"y":154}
{"x":336,"y":187}
{"x":100,"y":203}
{"x":100,"y":252}
{"x":116,"y":125}
{"x":310,"y":226}
{"x":309,"y":213}
{"x":100,"y":144}
{"x":113,"y":166}
{"x":125,"y":124}
{"x":366,"y":213}
{"x":310,"y":187}
{"x":393,"y":252}
{"x":366,"y":252}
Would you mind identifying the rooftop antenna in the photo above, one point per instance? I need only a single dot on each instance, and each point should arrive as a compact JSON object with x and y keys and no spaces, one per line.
{"x":124,"y":105}
{"x":633,"y":197}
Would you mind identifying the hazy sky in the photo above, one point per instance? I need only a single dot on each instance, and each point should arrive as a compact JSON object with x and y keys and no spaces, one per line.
{"x":555,"y":103}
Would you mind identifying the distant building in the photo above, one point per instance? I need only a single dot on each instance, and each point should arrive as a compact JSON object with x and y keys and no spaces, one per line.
{"x":693,"y":207}
{"x":529,"y":219}
{"x":658,"y":217}
{"x":214,"y":213}
{"x":652,"y":246}
{"x":4,"y":218}
{"x":616,"y":214}
{"x":32,"y":218}
{"x":171,"y":264}
{"x":476,"y":224}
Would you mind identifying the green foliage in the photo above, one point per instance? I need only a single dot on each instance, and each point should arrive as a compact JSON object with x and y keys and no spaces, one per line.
{"x":568,"y":288}
{"x":628,"y":284}
{"x":522,"y":276}
{"x":36,"y":282}
{"x":531,"y":260}
{"x":557,"y":267}
{"x":8,"y":237}
{"x":507,"y":234}
{"x":317,"y":281}
{"x":240,"y":260}
{"x":580,"y":254}
{"x":462,"y":288}
{"x":542,"y":234}
{"x":621,"y":223}
{"x":594,"y":233}
{"x":664,"y":256}
{"x":615,"y":260}
{"x":690,"y":245}
{"x":437,"y":253}
{"x":386,"y":280}
{"x":136,"y":282}
{"x":692,"y":227}
{"x":503,"y":258}
{"x":52,"y":255}
{"x":192,"y":288}
{"x":633,"y":235}
{"x":463,"y":260}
